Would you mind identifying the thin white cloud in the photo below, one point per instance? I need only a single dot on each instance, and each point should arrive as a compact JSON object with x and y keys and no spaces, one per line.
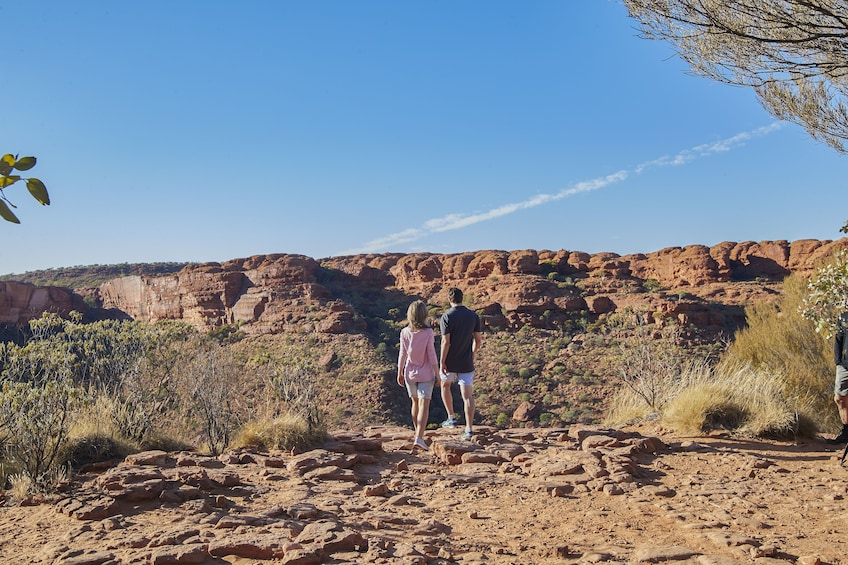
{"x":707,"y":149}
{"x":457,"y":221}
{"x":387,"y":242}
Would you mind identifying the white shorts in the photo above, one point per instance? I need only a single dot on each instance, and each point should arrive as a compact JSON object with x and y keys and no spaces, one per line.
{"x":840,"y":388}
{"x":464,"y":379}
{"x":420,"y":389}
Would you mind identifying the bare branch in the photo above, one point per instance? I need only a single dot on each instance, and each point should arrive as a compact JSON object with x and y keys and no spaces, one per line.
{"x":793,"y":53}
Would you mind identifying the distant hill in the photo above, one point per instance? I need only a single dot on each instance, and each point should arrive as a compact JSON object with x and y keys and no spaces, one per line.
{"x":92,"y":276}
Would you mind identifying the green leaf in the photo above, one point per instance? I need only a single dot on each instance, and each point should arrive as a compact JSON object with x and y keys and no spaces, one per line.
{"x":7,"y":214}
{"x":25,"y":163}
{"x":8,"y":180}
{"x":38,"y":191}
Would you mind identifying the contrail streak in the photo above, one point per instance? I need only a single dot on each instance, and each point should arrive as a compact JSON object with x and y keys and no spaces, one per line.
{"x":458,"y":221}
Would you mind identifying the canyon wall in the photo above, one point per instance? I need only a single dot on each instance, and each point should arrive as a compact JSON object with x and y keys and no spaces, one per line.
{"x":293,"y":293}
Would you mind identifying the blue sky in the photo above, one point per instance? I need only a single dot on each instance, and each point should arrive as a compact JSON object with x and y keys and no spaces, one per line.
{"x":208,"y":131}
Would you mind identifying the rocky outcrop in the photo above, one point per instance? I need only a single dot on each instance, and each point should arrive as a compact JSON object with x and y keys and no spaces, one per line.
{"x":278,"y":505}
{"x":293,"y":293}
{"x":20,"y":303}
{"x":587,"y":494}
{"x":268,"y":291}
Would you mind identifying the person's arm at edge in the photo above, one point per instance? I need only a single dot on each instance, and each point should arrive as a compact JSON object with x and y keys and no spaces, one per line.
{"x":401,"y":360}
{"x":445,"y":348}
{"x":432,"y":354}
{"x":475,"y":346}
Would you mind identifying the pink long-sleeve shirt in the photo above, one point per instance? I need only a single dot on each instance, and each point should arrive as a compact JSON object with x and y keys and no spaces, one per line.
{"x":417,"y":355}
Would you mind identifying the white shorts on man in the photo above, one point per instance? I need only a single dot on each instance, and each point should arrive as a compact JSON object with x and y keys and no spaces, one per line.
{"x":464,"y":379}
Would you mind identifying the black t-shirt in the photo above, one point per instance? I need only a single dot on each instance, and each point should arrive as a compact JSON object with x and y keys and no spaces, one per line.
{"x":840,"y":345}
{"x":461,"y":323}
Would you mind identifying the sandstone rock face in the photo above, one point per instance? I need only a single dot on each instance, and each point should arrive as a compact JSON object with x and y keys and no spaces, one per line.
{"x":260,"y":290}
{"x":287,"y":293}
{"x":20,"y":303}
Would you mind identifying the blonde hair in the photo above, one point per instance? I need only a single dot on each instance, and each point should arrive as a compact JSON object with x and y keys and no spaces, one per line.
{"x":417,"y":315}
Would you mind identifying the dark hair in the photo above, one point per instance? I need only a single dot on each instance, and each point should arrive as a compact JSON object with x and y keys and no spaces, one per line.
{"x":455,"y":295}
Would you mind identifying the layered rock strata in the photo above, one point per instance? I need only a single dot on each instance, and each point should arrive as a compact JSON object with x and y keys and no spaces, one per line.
{"x":280,"y":293}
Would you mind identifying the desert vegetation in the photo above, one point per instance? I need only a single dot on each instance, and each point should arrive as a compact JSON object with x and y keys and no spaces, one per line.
{"x":75,"y":393}
{"x":791,"y":53}
{"x":772,"y":379}
{"x":91,"y":276}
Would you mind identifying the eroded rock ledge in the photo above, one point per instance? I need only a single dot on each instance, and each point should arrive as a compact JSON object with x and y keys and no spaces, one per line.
{"x":279,"y":293}
{"x":367,"y":497}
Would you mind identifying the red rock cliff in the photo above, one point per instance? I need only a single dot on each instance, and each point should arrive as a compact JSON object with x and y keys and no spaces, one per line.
{"x":280,"y":293}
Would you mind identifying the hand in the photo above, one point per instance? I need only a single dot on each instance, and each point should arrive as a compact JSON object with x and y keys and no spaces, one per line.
{"x":400,"y":380}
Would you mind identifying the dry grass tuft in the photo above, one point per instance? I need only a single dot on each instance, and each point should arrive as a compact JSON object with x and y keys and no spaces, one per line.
{"x":779,"y":341}
{"x":22,"y":486}
{"x":284,"y":432}
{"x":735,"y":397}
{"x":94,"y":436}
{"x":732,"y":396}
{"x":627,"y":407}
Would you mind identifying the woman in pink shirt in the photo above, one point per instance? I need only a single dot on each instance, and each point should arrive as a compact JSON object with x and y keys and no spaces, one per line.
{"x":418,"y":366}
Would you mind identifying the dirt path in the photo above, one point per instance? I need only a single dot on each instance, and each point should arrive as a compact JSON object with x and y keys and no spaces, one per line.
{"x":515,"y":497}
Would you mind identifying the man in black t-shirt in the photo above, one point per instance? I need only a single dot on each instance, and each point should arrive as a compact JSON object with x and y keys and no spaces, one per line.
{"x":461,"y":339}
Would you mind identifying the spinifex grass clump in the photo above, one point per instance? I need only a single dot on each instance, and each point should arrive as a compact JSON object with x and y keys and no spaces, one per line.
{"x":733,"y":396}
{"x":285,"y":432}
{"x":774,"y":379}
{"x":780,"y":341}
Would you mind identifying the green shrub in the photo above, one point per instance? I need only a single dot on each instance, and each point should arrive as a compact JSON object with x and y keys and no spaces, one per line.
{"x":651,"y":285}
{"x":569,"y":415}
{"x":228,"y":333}
{"x":34,"y":424}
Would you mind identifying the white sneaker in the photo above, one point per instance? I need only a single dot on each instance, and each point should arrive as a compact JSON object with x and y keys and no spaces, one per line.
{"x":421,"y":443}
{"x":449,"y":423}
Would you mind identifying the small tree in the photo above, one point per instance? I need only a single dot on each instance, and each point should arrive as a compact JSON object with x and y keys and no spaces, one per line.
{"x":652,"y":368}
{"x":793,"y":53}
{"x":210,"y":387}
{"x":34,"y":425}
{"x":828,"y":294}
{"x":8,"y":165}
